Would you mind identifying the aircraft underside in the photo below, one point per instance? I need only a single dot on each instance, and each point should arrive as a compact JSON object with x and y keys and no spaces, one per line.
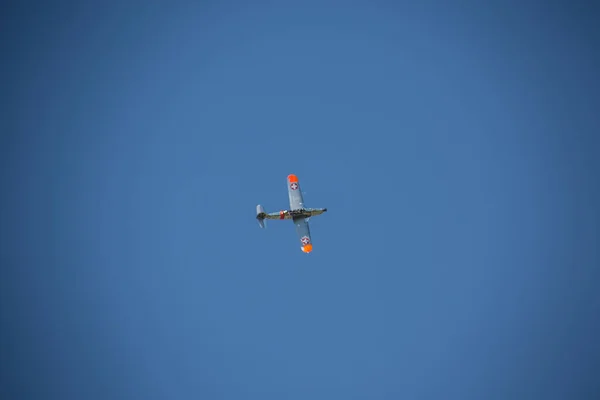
{"x":292,"y":214}
{"x":297,"y":213}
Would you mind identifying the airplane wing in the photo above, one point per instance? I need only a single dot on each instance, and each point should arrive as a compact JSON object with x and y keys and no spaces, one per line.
{"x":303,"y":231}
{"x":296,"y":200}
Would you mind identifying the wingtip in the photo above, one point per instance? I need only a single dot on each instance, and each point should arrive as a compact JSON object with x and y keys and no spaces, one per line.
{"x":307,"y":248}
{"x":292,"y":178}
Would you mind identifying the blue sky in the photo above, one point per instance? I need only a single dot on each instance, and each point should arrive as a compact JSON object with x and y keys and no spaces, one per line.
{"x":454,"y":146}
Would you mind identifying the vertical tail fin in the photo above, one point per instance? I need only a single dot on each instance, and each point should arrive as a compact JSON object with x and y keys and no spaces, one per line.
{"x":260,"y":216}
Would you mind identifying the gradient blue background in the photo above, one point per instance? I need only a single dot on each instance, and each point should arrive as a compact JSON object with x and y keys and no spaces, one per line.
{"x":454,"y":145}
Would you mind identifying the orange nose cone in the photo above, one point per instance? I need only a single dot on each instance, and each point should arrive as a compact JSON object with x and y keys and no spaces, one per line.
{"x":307,"y":248}
{"x":292,"y":178}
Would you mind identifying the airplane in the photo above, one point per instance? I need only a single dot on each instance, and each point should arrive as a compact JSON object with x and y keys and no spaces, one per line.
{"x":297,"y":213}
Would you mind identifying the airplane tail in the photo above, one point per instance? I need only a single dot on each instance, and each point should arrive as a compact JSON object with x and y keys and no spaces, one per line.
{"x":260,"y":216}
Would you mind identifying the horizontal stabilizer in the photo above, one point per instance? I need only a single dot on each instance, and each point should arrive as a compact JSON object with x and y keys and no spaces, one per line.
{"x":260,"y":215}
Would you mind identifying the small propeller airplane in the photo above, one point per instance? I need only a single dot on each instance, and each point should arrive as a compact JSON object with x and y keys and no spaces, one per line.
{"x":297,"y":213}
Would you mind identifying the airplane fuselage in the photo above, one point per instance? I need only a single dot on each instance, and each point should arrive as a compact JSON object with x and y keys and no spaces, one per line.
{"x":291,"y":214}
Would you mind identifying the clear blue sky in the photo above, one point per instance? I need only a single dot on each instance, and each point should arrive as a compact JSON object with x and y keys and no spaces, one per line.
{"x":455,"y":147}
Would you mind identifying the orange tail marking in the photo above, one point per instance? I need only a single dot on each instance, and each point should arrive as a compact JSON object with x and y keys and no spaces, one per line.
{"x":292,"y":178}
